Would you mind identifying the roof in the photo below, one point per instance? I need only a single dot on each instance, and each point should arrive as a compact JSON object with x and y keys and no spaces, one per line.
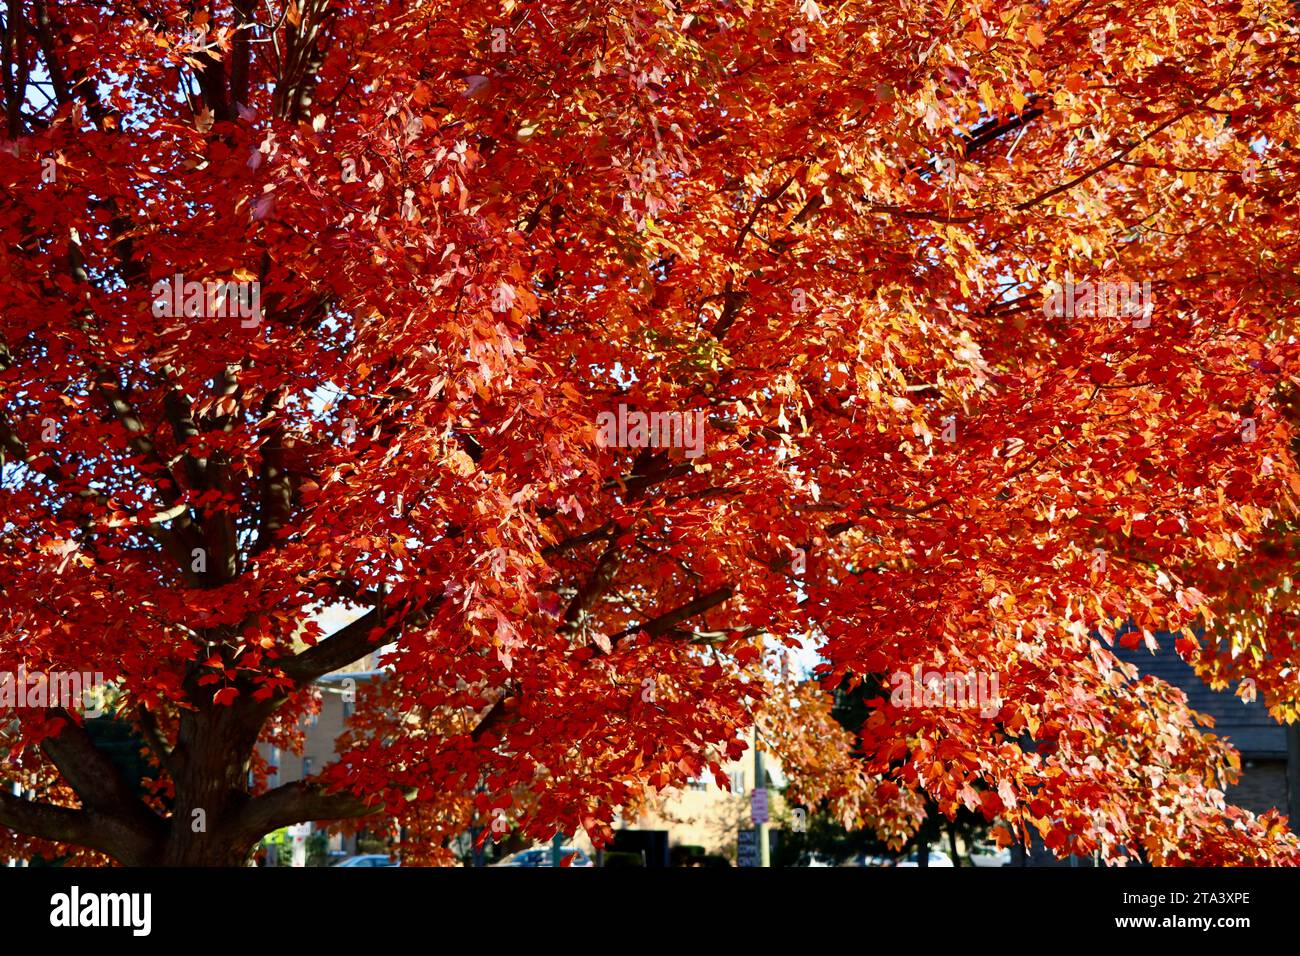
{"x":1246,"y":725}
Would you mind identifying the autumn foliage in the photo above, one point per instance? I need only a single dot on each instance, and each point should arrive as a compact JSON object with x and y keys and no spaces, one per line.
{"x":472,"y":228}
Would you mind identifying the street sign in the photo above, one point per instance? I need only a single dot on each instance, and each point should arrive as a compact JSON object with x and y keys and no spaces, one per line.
{"x":747,"y":848}
{"x":298,"y":843}
{"x":758,"y":806}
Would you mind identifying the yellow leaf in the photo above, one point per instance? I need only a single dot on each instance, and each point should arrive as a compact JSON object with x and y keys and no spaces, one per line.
{"x":1036,"y":35}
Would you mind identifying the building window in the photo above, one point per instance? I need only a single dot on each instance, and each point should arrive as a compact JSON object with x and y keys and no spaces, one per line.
{"x":737,"y":781}
{"x":699,"y":784}
{"x":306,"y":766}
{"x":348,"y":707}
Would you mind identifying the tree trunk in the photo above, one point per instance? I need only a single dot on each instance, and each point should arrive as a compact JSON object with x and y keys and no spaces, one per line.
{"x":214,"y":749}
{"x":215,"y":820}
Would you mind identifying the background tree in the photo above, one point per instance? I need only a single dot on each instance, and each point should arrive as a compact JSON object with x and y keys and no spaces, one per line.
{"x":473,"y":229}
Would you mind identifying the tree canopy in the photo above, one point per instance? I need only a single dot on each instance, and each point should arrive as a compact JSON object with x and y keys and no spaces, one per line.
{"x":984,"y":310}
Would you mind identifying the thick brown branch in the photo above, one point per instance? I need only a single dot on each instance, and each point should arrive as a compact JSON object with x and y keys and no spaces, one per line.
{"x":276,"y":487}
{"x":299,"y":802}
{"x":53,"y":65}
{"x":578,"y":540}
{"x":46,"y":821}
{"x":89,"y":772}
{"x":107,"y":834}
{"x":664,"y":623}
{"x":354,"y":641}
{"x":349,"y":643}
{"x":655,"y":627}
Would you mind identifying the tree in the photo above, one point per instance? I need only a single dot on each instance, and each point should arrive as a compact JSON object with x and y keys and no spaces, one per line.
{"x":851,"y":811}
{"x":590,"y":354}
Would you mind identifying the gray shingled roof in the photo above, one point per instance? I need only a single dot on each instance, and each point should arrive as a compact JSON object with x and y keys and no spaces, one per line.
{"x":1248,"y":726}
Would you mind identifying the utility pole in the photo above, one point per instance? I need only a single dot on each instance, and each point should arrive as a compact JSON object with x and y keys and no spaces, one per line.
{"x":760,"y":829}
{"x":1293,"y":773}
{"x":477,"y":856}
{"x":18,"y":792}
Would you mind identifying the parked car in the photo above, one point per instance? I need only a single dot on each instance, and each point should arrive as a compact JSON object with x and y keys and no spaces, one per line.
{"x":937,"y":858}
{"x":541,"y":856}
{"x":368,"y":859}
{"x":868,"y":859}
{"x":814,"y":859}
{"x":989,"y":855}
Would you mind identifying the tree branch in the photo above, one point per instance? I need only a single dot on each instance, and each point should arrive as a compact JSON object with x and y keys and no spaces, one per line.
{"x":299,"y":802}
{"x":661,"y":625}
{"x":153,"y":736}
{"x":655,"y":627}
{"x":46,"y":821}
{"x":89,"y":772}
{"x":353,"y":641}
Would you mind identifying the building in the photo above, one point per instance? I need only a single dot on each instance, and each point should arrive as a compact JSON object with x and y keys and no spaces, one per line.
{"x":703,"y":814}
{"x":1270,"y":760}
{"x":339,"y":692}
{"x":1270,"y":752}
